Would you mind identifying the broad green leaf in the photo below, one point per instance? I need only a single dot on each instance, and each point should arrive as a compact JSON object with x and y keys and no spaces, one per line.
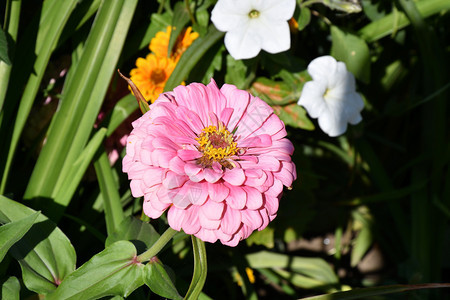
{"x":114,"y":271}
{"x":304,"y":18}
{"x":278,"y":92}
{"x":316,"y":268}
{"x":159,"y":281}
{"x":192,"y":56}
{"x":302,"y":281}
{"x":236,"y":72}
{"x":353,"y":51}
{"x":179,"y":20}
{"x":365,"y":293}
{"x":135,"y":230}
{"x":11,"y":289}
{"x":294,"y":115}
{"x":362,"y":243}
{"x":12,"y":232}
{"x":45,"y":254}
{"x":264,"y":237}
{"x":4,"y":56}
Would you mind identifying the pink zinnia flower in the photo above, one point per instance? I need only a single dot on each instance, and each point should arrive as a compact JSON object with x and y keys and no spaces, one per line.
{"x":217,"y":159}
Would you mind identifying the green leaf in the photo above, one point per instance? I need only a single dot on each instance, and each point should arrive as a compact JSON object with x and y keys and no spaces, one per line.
{"x":4,"y":48}
{"x":135,"y":230}
{"x":236,"y":72}
{"x":304,"y":18}
{"x":81,"y":100}
{"x":45,"y":254}
{"x":264,"y":237}
{"x":53,"y":17}
{"x":159,"y":281}
{"x":122,"y":110}
{"x":396,"y":21}
{"x":192,"y":56}
{"x":114,"y":271}
{"x":353,"y":51}
{"x":11,"y":289}
{"x":364,"y":293}
{"x":76,"y":173}
{"x":109,"y":188}
{"x":315,"y":268}
{"x":362,"y":243}
{"x":12,"y":232}
{"x":294,"y":115}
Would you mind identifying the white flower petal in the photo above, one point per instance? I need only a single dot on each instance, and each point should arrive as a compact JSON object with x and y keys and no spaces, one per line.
{"x":277,"y":9}
{"x":312,"y":98}
{"x":322,"y":68}
{"x":277,"y":37}
{"x":246,"y":36}
{"x":331,"y":96}
{"x":243,"y":44}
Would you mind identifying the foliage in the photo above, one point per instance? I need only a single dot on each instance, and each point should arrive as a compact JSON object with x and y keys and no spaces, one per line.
{"x":70,"y":228}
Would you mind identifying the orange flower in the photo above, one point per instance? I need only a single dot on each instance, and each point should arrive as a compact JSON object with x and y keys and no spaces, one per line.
{"x":160,"y":43}
{"x":151,"y":75}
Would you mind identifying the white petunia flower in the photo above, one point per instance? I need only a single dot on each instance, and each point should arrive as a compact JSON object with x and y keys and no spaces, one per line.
{"x":331,"y":96}
{"x":252,"y":25}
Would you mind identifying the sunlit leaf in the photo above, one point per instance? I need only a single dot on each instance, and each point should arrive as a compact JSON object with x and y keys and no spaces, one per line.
{"x":10,"y":233}
{"x":159,"y":281}
{"x":353,"y":51}
{"x":45,"y":254}
{"x":136,"y":231}
{"x":114,"y":271}
{"x":10,"y":289}
{"x":364,"y":293}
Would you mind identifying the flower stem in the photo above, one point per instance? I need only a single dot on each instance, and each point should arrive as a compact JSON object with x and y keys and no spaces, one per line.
{"x":188,"y":8}
{"x":158,"y":245}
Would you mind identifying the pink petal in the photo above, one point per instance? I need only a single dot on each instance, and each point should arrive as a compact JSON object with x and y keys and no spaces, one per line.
{"x":252,"y":218}
{"x":234,"y":176}
{"x":175,"y":217}
{"x":237,"y":198}
{"x":207,"y":235}
{"x":211,"y":175}
{"x":254,"y":198}
{"x":218,"y":191}
{"x":231,"y":221}
{"x":187,"y":155}
{"x":173,"y":180}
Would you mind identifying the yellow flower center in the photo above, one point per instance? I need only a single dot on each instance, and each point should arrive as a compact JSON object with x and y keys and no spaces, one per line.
{"x":253,"y":14}
{"x":216,"y":144}
{"x":158,"y":76}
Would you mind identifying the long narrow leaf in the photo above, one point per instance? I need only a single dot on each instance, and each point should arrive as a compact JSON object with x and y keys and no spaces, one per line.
{"x":45,"y":44}
{"x":110,"y":192}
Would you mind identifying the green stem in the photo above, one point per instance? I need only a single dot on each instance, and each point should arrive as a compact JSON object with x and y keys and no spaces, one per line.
{"x":200,"y":269}
{"x":188,"y":8}
{"x":158,"y":245}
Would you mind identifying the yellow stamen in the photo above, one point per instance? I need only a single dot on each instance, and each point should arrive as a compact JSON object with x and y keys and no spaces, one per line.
{"x":216,"y":144}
